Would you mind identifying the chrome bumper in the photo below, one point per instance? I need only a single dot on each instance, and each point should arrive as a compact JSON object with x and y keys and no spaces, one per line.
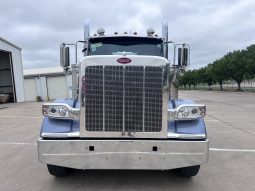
{"x":123,"y":154}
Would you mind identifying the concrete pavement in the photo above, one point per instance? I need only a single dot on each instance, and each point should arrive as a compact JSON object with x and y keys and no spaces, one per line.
{"x":231,"y":128}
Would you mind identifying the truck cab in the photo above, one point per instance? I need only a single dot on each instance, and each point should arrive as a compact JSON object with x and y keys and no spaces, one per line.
{"x":124,"y":112}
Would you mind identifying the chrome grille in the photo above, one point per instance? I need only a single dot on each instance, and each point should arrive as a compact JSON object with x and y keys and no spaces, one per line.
{"x":94,"y":98}
{"x":113,"y":76}
{"x":134,"y":98}
{"x":123,"y":98}
{"x":153,"y":99}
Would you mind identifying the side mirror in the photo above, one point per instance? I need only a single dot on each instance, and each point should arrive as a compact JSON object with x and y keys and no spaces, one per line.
{"x":64,"y":56}
{"x":183,"y":57}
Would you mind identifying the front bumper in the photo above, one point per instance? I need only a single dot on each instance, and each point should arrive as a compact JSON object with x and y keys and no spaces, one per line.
{"x":123,"y":154}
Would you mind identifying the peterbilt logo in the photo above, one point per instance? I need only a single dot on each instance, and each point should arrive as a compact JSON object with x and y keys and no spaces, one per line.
{"x":124,"y":60}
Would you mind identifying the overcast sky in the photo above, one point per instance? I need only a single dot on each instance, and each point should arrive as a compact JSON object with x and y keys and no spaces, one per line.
{"x":211,"y":27}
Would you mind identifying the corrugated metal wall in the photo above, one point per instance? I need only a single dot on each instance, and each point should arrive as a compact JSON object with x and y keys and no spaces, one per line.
{"x":30,"y":89}
{"x":57,"y":87}
{"x":48,"y":87}
{"x":17,"y":69}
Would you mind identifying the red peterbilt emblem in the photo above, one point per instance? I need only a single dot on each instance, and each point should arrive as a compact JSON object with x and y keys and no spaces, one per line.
{"x":124,"y":60}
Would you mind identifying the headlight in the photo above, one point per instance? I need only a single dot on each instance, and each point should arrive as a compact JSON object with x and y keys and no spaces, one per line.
{"x":187,"y":112}
{"x":60,"y":111}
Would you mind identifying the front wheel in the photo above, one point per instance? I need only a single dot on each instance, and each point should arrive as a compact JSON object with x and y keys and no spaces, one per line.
{"x":188,"y":171}
{"x":58,"y":171}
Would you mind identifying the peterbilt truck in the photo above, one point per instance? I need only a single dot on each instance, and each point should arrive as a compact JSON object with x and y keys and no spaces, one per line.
{"x":124,"y":112}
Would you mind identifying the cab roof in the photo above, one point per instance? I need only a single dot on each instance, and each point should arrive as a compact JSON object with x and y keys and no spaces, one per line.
{"x":125,"y":36}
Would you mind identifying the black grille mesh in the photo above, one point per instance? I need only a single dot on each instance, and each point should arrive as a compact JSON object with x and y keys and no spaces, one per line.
{"x":141,"y":89}
{"x":94,"y":98}
{"x":113,"y":98}
{"x":153,"y":99}
{"x":134,"y":99}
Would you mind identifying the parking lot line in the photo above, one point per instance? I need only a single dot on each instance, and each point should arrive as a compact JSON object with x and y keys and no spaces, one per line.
{"x":232,"y":150}
{"x":212,"y":120}
{"x":19,"y":116}
{"x":6,"y":143}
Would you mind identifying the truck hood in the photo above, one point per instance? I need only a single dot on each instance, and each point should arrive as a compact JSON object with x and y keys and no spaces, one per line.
{"x":113,"y":60}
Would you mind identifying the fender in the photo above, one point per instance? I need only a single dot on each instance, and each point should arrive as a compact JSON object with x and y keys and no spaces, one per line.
{"x":186,"y":127}
{"x":50,"y":125}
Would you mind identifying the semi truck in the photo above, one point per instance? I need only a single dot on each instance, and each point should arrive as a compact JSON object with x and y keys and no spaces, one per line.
{"x":124,"y":112}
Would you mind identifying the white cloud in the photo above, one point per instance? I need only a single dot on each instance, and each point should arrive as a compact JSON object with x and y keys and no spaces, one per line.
{"x":211,"y":27}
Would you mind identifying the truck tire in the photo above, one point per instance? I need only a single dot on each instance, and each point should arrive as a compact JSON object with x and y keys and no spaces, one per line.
{"x":58,"y":171}
{"x":188,"y":171}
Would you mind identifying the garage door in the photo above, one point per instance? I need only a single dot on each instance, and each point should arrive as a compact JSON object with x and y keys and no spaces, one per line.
{"x":30,"y":89}
{"x":56,"y":87}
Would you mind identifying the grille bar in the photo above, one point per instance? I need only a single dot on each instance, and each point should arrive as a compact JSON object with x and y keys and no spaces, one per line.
{"x":123,"y":98}
{"x":103,"y":98}
{"x":134,"y":99}
{"x":94,"y":98}
{"x":123,"y":103}
{"x":113,"y":98}
{"x":143,"y":96}
{"x":153,"y":99}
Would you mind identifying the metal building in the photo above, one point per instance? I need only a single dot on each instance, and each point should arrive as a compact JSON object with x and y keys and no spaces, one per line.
{"x":46,"y":84}
{"x":11,"y":72}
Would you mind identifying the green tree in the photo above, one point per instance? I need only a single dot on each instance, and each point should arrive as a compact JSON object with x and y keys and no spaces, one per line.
{"x":183,"y":81}
{"x":207,"y":76}
{"x":195,"y":78}
{"x":220,"y":71}
{"x":250,"y":59}
{"x":188,"y":78}
{"x":237,"y":66}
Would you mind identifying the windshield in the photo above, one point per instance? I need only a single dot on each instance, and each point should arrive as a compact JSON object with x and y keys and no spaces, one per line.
{"x":127,"y":45}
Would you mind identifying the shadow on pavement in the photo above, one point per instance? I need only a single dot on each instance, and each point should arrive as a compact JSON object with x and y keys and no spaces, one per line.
{"x":123,"y":180}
